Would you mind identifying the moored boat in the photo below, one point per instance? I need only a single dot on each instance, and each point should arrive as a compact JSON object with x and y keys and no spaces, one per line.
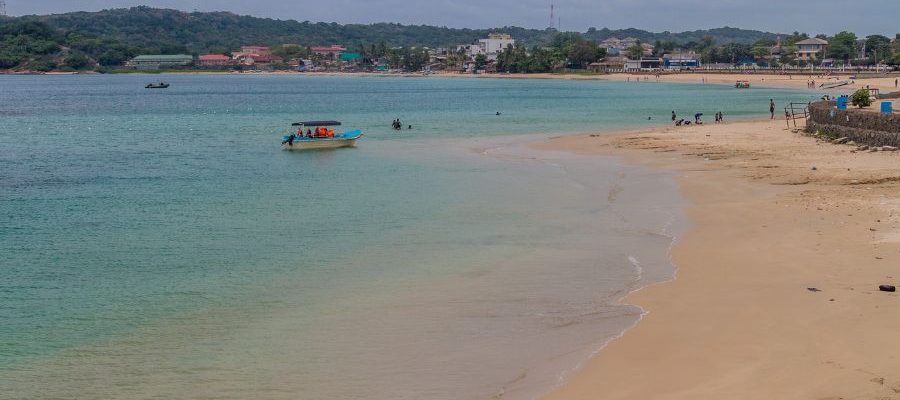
{"x":832,"y":85}
{"x":742,"y":84}
{"x":318,"y":136}
{"x":160,"y":85}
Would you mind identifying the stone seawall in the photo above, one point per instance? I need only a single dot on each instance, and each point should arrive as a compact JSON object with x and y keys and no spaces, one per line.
{"x":870,"y":128}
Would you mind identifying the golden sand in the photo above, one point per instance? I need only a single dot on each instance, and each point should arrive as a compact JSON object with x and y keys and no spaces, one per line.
{"x":776,"y":295}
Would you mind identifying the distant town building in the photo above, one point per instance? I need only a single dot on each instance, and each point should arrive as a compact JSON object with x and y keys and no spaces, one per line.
{"x":246,"y":52}
{"x":157,"y":61}
{"x":351,"y":57}
{"x":260,"y":61}
{"x":645,"y":63}
{"x":214,"y":60}
{"x":333,"y":51}
{"x":609,"y":64}
{"x":678,"y":61}
{"x":490,"y":47}
{"x":261,"y":50}
{"x":496,"y":42}
{"x":615,"y":46}
{"x":811,"y":49}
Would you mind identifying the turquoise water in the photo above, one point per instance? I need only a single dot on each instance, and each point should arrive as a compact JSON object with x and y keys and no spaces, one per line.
{"x":158,"y":242}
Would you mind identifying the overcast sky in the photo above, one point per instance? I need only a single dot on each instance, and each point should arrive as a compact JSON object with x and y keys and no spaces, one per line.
{"x":784,"y":16}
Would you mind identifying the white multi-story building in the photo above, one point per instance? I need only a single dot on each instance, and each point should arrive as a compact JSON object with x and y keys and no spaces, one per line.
{"x":490,"y":47}
{"x":496,"y":42}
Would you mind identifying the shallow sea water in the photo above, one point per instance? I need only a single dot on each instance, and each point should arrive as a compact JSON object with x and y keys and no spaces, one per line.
{"x":159,"y":244}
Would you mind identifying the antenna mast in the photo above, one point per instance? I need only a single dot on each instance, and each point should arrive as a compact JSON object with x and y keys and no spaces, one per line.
{"x":551,"y":14}
{"x":3,"y":8}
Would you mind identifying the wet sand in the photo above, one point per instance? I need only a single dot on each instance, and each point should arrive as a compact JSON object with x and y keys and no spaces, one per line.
{"x":776,"y":294}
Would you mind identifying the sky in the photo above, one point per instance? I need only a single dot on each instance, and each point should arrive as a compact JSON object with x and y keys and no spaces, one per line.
{"x":781,"y":16}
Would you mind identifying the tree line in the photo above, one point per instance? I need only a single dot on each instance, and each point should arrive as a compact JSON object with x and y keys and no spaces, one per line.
{"x":82,"y":40}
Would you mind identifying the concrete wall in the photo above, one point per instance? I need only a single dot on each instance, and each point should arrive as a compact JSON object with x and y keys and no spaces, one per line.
{"x":863,"y":127}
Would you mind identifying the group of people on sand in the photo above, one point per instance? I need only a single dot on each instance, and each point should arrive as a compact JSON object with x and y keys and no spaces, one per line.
{"x":720,"y":118}
{"x":811,"y":84}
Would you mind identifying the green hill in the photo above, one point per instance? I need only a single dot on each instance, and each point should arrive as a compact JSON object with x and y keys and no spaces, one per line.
{"x":34,"y":45}
{"x":198,"y":32}
{"x":81,"y":40}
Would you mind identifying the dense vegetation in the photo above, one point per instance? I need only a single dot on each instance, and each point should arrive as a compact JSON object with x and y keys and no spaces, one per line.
{"x":81,"y":40}
{"x":565,"y":50}
{"x":35,"y":46}
{"x":221,"y":31}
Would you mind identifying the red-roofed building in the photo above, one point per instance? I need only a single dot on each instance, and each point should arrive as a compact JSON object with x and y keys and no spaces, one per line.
{"x":214,"y":60}
{"x":332,"y":51}
{"x":264,"y":58}
{"x":260,"y":61}
{"x":255,"y":50}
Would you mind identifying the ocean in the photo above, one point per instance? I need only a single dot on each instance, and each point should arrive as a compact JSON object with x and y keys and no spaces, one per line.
{"x":159,"y":244}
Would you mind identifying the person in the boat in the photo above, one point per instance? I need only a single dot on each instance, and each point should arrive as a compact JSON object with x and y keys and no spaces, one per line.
{"x":291,"y":138}
{"x":308,"y":133}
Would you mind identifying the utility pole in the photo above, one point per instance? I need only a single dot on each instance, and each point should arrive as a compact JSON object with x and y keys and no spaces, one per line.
{"x":3,"y":8}
{"x":875,"y":51}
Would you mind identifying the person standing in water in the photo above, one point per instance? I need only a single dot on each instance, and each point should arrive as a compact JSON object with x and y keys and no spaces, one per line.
{"x":772,"y":108}
{"x":673,"y":115}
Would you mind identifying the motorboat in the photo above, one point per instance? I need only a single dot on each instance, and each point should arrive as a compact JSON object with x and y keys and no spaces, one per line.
{"x":318,"y":135}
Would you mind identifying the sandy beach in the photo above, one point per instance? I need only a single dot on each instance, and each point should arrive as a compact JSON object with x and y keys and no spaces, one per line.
{"x":776,"y":295}
{"x":793,"y":81}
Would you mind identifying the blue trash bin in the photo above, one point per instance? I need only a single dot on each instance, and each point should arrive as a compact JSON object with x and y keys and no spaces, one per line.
{"x":842,"y":103}
{"x":887,"y":107}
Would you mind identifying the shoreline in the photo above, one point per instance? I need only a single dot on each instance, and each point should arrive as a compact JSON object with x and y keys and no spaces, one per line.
{"x":734,"y":316}
{"x":765,"y":80}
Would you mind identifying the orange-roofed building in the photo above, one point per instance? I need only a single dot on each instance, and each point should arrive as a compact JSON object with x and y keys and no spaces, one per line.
{"x":332,"y":51}
{"x":214,"y":60}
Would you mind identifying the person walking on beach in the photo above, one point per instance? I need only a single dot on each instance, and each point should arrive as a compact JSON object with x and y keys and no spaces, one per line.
{"x":772,"y":108}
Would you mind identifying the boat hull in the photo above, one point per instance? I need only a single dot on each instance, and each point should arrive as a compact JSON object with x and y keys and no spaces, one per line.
{"x":344,"y":140}
{"x":319,"y":144}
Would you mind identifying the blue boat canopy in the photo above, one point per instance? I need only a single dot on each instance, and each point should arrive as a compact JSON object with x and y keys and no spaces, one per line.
{"x":316,"y":123}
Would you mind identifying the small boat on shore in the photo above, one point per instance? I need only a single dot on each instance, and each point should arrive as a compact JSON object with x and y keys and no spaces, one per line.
{"x":318,"y":136}
{"x":742,"y":84}
{"x":832,"y":85}
{"x":160,"y":85}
